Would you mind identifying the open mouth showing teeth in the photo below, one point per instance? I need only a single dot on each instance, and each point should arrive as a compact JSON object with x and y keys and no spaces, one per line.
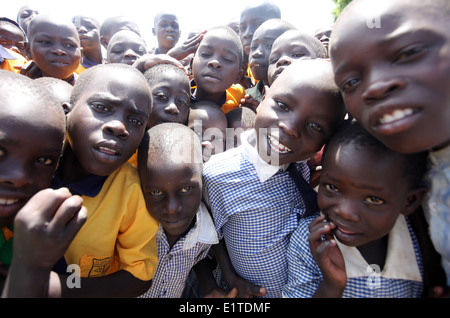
{"x":396,"y":115}
{"x":277,"y":145}
{"x":6,"y":202}
{"x":108,"y":151}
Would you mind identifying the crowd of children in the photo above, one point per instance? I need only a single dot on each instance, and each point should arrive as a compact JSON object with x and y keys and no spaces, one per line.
{"x":252,"y":160}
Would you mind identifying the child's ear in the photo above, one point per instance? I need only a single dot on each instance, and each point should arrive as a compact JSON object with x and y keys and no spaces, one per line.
{"x":67,"y":107}
{"x":414,"y":200}
{"x":28,"y":50}
{"x":154,"y":31}
{"x":239,"y":76}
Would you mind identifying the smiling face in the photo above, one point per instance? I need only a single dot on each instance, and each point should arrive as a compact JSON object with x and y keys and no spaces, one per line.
{"x":106,"y":124}
{"x":363,"y":203}
{"x":217,"y":62}
{"x":167,"y":31}
{"x":298,"y":113}
{"x":395,"y":78}
{"x":32,"y":132}
{"x":55,"y":47}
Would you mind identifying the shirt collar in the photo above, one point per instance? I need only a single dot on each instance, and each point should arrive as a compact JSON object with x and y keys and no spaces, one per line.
{"x":203,"y":230}
{"x":400,"y":261}
{"x":263,"y":169}
{"x":440,"y":157}
{"x":89,"y":186}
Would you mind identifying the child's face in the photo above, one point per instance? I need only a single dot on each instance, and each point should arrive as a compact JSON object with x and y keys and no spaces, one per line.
{"x":362,"y":192}
{"x":216,"y":65}
{"x":89,"y":32}
{"x":12,"y":38}
{"x":294,"y":120}
{"x":260,"y":50}
{"x":288,"y":47}
{"x":171,"y":99}
{"x":172,"y":193}
{"x":31,"y":139}
{"x":25,"y":15}
{"x":250,"y":20}
{"x":395,"y":78}
{"x":167,"y":30}
{"x":108,"y":121}
{"x":55,"y":48}
{"x":125,"y":47}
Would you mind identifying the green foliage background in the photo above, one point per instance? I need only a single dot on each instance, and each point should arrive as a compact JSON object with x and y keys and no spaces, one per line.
{"x":340,"y":5}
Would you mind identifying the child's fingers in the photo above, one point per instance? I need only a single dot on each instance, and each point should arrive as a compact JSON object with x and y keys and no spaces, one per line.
{"x":67,"y":210}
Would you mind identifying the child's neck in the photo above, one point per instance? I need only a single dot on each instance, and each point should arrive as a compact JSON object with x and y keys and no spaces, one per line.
{"x":375,"y":252}
{"x":217,"y":98}
{"x":70,"y":169}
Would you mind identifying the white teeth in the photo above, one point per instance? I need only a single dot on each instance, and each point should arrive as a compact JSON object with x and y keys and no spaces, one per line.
{"x":396,"y":115}
{"x":107,"y":150}
{"x":8,"y":201}
{"x":275,"y":143}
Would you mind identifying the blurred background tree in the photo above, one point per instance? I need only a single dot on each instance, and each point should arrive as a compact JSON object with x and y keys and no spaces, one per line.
{"x":340,"y":5}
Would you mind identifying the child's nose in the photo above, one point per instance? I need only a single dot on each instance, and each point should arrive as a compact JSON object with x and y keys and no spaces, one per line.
{"x":59,"y":51}
{"x":16,"y":175}
{"x":172,"y":109}
{"x":346,"y":209}
{"x":215,"y":64}
{"x":130,"y":54}
{"x":284,"y":61}
{"x":116,"y":128}
{"x":381,"y":88}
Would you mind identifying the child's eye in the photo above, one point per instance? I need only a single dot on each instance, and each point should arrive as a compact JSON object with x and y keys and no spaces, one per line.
{"x":136,"y":121}
{"x":156,"y":193}
{"x":45,"y":161}
{"x":161,"y":96}
{"x":283,"y":106}
{"x":411,"y":52}
{"x":298,"y":55}
{"x":315,"y":126}
{"x":273,"y":61}
{"x":2,"y":153}
{"x":349,"y":84}
{"x":186,"y":189}
{"x":100,"y":107}
{"x":184,"y":102}
{"x":331,"y":187}
{"x":374,"y":200}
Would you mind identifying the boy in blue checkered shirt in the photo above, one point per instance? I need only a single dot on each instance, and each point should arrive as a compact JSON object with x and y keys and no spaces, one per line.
{"x":363,"y":244}
{"x":254,"y":202}
{"x":170,"y":168}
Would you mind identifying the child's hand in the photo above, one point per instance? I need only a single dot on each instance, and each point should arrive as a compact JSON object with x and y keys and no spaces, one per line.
{"x":148,"y":60}
{"x":45,"y":227}
{"x":326,"y":253}
{"x":189,"y":46}
{"x":245,"y":289}
{"x":31,"y":70}
{"x":249,"y":102}
{"x":221,"y":293}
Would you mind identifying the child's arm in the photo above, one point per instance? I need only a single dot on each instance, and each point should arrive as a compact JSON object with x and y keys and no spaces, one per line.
{"x":208,"y":284}
{"x":328,"y":257}
{"x":244,"y":287}
{"x":189,"y":46}
{"x":43,"y":230}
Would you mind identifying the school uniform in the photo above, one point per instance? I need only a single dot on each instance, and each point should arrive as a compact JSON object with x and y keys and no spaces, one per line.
{"x":400,"y":277}
{"x":255,"y":207}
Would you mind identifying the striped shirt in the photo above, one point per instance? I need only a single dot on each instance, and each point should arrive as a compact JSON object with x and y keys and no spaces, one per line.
{"x":401,"y":277}
{"x":174,"y":264}
{"x":255,"y":208}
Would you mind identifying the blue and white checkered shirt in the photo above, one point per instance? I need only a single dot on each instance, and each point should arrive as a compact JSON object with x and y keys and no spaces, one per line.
{"x":437,"y":205}
{"x":174,"y":264}
{"x":401,"y":276}
{"x":255,"y":208}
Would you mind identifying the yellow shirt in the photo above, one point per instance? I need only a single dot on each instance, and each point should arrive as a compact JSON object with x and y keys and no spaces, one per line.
{"x":234,"y":95}
{"x":13,"y":65}
{"x":119,"y":233}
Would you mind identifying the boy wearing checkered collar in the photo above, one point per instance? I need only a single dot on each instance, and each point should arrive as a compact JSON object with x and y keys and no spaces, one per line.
{"x":254,"y":202}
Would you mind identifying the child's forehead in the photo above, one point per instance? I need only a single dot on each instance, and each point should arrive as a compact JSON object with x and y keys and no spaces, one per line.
{"x":50,"y":27}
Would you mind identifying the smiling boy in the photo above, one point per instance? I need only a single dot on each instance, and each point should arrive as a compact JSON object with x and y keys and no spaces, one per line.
{"x":248,"y":188}
{"x":395,"y":80}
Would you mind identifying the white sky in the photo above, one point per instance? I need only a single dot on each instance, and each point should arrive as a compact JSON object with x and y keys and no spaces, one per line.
{"x":307,"y":15}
